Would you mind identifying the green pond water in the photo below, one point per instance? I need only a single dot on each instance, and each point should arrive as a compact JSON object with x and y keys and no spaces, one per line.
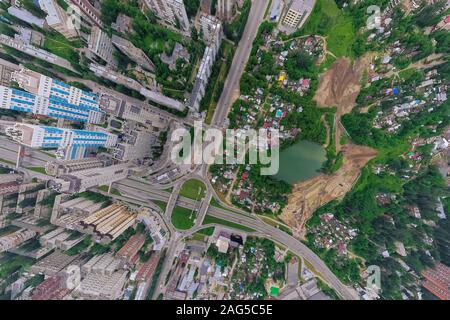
{"x":301,"y":161}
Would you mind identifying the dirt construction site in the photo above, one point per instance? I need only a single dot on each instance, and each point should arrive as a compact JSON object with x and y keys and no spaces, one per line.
{"x":338,"y":87}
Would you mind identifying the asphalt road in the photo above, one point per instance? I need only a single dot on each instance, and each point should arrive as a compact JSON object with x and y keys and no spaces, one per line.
{"x":33,"y":158}
{"x":133,"y":189}
{"x":240,"y":59}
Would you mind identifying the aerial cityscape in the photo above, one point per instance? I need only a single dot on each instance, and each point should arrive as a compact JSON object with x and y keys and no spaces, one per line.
{"x":224,"y":150}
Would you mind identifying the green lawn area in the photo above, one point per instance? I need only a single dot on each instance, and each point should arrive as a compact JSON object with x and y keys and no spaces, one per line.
{"x":193,"y":189}
{"x":215,"y":203}
{"x":210,"y":219}
{"x":7,"y":161}
{"x":9,"y":229}
{"x":105,"y":188}
{"x":182,"y":218}
{"x":160,"y":204}
{"x":206,"y":231}
{"x":276,"y":225}
{"x":330,"y":21}
{"x":37,"y":169}
{"x":59,"y":45}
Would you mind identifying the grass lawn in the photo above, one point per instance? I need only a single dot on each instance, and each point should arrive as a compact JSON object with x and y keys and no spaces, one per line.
{"x":105,"y":188}
{"x":160,"y":204}
{"x":193,"y":189}
{"x":215,"y":203}
{"x":277,"y":225}
{"x":59,"y":45}
{"x":49,"y":154}
{"x":7,"y":161}
{"x":37,"y":169}
{"x":210,"y":219}
{"x":330,"y":21}
{"x":206,"y":231}
{"x":182,"y":218}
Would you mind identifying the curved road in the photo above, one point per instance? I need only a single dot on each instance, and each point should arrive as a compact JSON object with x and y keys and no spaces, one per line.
{"x":143,"y":191}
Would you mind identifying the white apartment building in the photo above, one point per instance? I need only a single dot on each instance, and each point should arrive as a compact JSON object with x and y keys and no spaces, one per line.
{"x":58,"y":19}
{"x":101,"y":45}
{"x":171,"y":11}
{"x":83,"y":180}
{"x":225,"y":9}
{"x":134,"y":53}
{"x":88,"y":11}
{"x":297,"y":13}
{"x":58,"y":168}
{"x":212,"y":30}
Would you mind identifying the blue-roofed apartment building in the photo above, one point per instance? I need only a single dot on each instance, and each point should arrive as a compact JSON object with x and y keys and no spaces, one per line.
{"x":71,"y":144}
{"x":46,"y":96}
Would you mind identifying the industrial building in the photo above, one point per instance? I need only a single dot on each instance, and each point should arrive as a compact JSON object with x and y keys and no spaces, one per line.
{"x":104,"y":287}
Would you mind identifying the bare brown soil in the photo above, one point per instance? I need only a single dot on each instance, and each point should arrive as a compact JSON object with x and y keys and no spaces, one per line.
{"x":338,"y":87}
{"x":309,"y":195}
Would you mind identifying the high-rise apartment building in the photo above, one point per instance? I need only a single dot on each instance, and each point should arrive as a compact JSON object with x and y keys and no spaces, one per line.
{"x":55,"y":107}
{"x":58,"y":19}
{"x":89,"y":11}
{"x":83,"y":180}
{"x":225,"y":9}
{"x":58,"y":168}
{"x":297,"y":13}
{"x":134,"y":53}
{"x":212,"y":31}
{"x":39,"y":84}
{"x":171,"y":11}
{"x":14,"y":239}
{"x":71,"y":144}
{"x":101,"y":45}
